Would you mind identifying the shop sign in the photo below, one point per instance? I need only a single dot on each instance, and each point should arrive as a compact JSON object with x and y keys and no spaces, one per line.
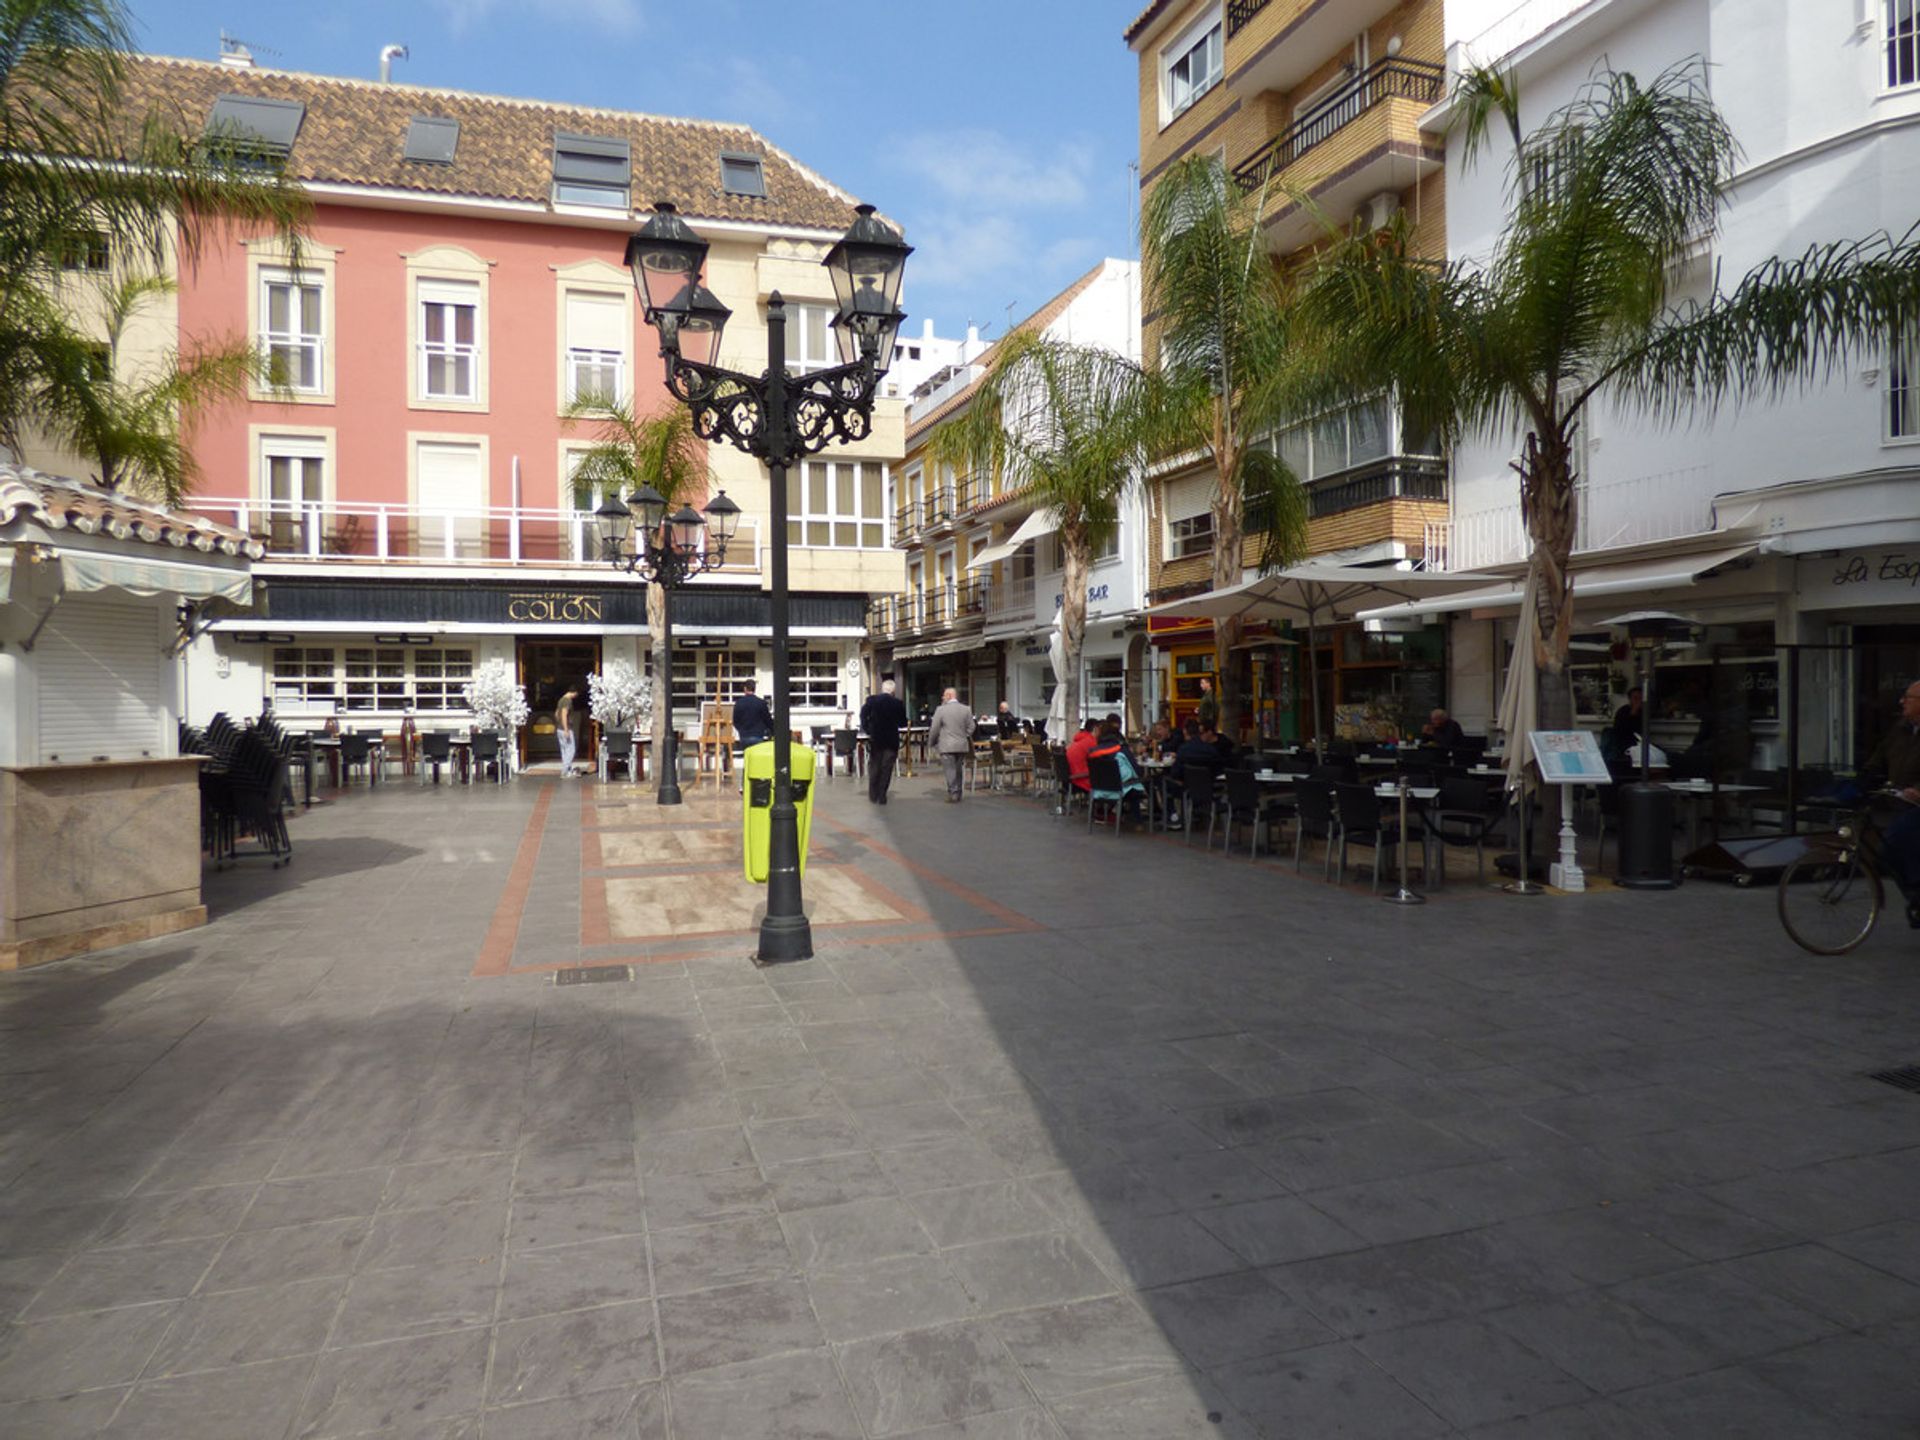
{"x":1095,"y":594}
{"x":553,"y":605}
{"x":1861,"y":577}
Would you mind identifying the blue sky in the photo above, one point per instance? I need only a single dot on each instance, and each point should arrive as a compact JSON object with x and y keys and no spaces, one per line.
{"x":998,"y":133}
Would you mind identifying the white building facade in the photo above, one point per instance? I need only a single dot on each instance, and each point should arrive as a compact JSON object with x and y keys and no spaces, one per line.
{"x":1791,"y":523}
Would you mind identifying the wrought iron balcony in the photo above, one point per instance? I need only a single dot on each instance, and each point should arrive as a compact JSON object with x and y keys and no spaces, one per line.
{"x":1395,"y":78}
{"x":1239,"y":12}
{"x":1397,"y":477}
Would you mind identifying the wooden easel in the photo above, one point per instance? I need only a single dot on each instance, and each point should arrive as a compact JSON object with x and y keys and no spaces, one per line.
{"x":716,"y":737}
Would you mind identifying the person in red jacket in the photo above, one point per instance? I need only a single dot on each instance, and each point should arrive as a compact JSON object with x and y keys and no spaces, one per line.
{"x":1077,"y":749}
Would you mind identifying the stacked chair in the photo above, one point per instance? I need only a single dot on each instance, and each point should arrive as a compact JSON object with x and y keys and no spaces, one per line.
{"x":243,"y":787}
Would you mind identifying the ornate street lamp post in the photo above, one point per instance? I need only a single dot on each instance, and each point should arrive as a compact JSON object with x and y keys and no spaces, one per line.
{"x":778,"y":419}
{"x":667,"y":550}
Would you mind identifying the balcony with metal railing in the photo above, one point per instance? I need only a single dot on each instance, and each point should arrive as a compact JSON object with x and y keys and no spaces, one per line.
{"x":358,"y":533}
{"x":1394,"y":78}
{"x":1240,"y":14}
{"x":953,"y":609}
{"x":1010,"y":602}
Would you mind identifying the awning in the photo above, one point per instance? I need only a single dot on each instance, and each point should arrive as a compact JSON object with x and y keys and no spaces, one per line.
{"x":1666,"y":572}
{"x":1040,"y":522}
{"x":940,"y":647}
{"x":1318,"y":593}
{"x":90,"y":570}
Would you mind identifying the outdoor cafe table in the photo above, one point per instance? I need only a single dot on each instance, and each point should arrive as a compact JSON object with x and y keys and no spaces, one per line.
{"x":1388,"y":791}
{"x":1697,"y":791}
{"x":1153,"y":774}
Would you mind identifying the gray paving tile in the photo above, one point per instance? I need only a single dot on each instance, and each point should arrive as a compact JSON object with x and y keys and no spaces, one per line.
{"x":575,"y":1277}
{"x":102,"y":1279}
{"x":297,"y":1252}
{"x":317,"y":1197}
{"x":1729,"y":1402}
{"x":704,"y":1257}
{"x":775,"y":1141}
{"x":65,"y":1417}
{"x":1470,"y":1373}
{"x":1722,"y":1314}
{"x":376,"y":1387}
{"x":859,"y":1231}
{"x":152,"y":1218}
{"x":549,"y":1172}
{"x":1604,"y":1342}
{"x":910,"y":1292}
{"x":79,"y":1352}
{"x":941,"y":1164}
{"x":1331,"y":1390}
{"x":1164,"y":1408}
{"x":463,"y":1180}
{"x":1232,"y":1317}
{"x":639,"y":1414}
{"x":990,"y":1211}
{"x":1276,"y":1231}
{"x":417,"y":1300}
{"x":833,"y":1180}
{"x":741,"y":1322}
{"x":447,"y":1236}
{"x":888,"y":1126}
{"x":237,"y":1327}
{"x":1832,"y":1285}
{"x":688,"y":1152}
{"x":705,"y":1199}
{"x":243,"y":1402}
{"x":1027,"y":1270}
{"x":782,"y":1397}
{"x":574,"y":1353}
{"x":575,"y":1216}
{"x":1149,"y":1250}
{"x":1867,"y":1384}
{"x":927,"y":1377}
{"x":1087,"y":1345}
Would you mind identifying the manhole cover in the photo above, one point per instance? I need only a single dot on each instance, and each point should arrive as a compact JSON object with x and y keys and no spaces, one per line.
{"x":591,"y":975}
{"x":1907,"y":1077}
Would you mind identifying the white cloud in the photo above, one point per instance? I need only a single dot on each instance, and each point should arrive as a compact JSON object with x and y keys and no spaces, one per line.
{"x":619,"y":17}
{"x":977,"y":167}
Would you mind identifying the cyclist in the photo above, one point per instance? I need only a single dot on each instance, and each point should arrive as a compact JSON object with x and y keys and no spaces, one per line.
{"x":1895,"y":762}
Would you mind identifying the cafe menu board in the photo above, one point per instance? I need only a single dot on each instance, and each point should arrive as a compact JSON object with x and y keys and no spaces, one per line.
{"x":1569,"y":757}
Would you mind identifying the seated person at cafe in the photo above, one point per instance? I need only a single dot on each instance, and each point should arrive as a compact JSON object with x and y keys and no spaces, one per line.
{"x":1895,"y":763}
{"x":1109,"y":742}
{"x":1441,"y":731}
{"x":1006,"y":723}
{"x":1194,"y":749}
{"x":1161,"y":741}
{"x":1624,"y":734}
{"x":1220,"y":743}
{"x":1077,"y":749}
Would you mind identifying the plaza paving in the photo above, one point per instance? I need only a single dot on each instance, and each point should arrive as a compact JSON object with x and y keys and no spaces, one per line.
{"x":1059,"y":1135}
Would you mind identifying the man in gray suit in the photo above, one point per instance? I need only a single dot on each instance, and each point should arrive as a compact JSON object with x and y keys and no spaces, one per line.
{"x":950,"y":733}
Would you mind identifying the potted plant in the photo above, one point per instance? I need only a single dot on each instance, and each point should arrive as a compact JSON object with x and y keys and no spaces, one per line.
{"x":620,"y":699}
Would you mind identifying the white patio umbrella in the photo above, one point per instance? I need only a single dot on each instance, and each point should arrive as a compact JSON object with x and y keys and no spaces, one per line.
{"x":1520,"y":699}
{"x":1057,"y":722}
{"x":1316,"y":594}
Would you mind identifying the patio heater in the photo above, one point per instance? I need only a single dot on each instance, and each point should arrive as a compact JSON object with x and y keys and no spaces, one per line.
{"x":1646,"y":809}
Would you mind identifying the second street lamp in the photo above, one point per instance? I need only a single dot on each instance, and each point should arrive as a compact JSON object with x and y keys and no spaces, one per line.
{"x":667,"y":550}
{"x":778,"y":419}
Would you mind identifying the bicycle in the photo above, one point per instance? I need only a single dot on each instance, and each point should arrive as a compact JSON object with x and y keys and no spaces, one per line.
{"x":1831,"y":897}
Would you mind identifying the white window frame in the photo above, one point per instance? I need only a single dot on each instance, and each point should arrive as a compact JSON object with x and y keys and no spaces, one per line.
{"x":578,"y":359}
{"x":1179,"y":88}
{"x":709,"y":674}
{"x":1900,"y":43}
{"x":1900,"y":384}
{"x":311,"y":681}
{"x":297,"y":339}
{"x":437,"y":677}
{"x":436,"y":271}
{"x":813,"y":526}
{"x":286,"y":528}
{"x":471,"y":531}
{"x":363,"y":677}
{"x":815,"y":680}
{"x":1187,"y":517}
{"x":811,"y":323}
{"x":450,"y":296}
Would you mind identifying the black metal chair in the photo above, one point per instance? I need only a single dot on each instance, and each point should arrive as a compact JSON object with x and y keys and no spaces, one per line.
{"x":1202,"y":793}
{"x":1244,"y":802}
{"x":436,"y":749}
{"x":1063,"y":781}
{"x":1465,"y":812}
{"x":1103,"y":775}
{"x":356,"y":752}
{"x":1335,"y":772}
{"x":846,"y":746}
{"x":1315,"y":819}
{"x":1361,"y":823}
{"x":616,"y":748}
{"x":487,"y":751}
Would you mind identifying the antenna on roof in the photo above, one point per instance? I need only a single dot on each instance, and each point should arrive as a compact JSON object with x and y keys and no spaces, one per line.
{"x":389,"y":54}
{"x":238,"y":54}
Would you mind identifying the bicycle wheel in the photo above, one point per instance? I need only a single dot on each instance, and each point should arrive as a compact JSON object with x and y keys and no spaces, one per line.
{"x":1829,"y":900}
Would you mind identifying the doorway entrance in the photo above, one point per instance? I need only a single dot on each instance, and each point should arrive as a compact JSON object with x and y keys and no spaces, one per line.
{"x":548,"y":669}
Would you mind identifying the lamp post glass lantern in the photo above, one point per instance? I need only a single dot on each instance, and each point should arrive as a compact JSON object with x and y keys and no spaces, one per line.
{"x":778,"y":419}
{"x":668,"y":552}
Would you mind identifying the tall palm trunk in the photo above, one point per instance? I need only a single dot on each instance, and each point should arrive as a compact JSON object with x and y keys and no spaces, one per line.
{"x":660,"y":664}
{"x":1548,"y":505}
{"x":1229,"y":535}
{"x":1073,"y":610}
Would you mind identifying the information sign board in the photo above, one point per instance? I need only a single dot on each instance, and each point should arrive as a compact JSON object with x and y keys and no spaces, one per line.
{"x":1569,"y":757}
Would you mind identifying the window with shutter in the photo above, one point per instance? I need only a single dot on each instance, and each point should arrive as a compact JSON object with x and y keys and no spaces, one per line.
{"x":1188,"y":507}
{"x":596,"y":346}
{"x":100,"y":675}
{"x":450,"y":490}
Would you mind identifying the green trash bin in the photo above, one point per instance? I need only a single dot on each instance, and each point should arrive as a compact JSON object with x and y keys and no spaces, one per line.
{"x":757,"y":824}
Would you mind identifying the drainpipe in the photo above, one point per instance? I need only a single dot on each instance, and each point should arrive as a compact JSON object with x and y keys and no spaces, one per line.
{"x":389,"y":54}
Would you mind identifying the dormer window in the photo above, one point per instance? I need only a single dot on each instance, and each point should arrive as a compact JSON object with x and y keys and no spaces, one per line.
{"x":258,"y":130}
{"x":742,"y":175}
{"x":431,"y":140}
{"x":591,"y":170}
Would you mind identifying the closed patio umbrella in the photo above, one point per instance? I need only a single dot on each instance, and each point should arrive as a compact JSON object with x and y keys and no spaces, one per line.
{"x":1057,"y":722}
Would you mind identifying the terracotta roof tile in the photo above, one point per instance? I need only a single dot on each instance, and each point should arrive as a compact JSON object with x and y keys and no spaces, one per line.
{"x":1145,"y":18}
{"x":88,"y":509}
{"x":354,"y":133}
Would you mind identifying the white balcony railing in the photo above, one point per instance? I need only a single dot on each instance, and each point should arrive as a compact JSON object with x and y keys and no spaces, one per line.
{"x":1010,"y":600}
{"x":1625,"y":512}
{"x":357,"y":532}
{"x":1525,"y":21}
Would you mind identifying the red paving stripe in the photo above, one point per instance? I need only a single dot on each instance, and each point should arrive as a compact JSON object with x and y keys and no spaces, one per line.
{"x":936,"y":879}
{"x":496,"y":954}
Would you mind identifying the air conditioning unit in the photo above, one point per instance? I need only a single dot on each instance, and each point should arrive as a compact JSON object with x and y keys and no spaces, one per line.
{"x":1381,"y":209}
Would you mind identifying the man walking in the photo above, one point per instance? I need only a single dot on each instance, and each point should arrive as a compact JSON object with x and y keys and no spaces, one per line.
{"x":950,"y":732}
{"x":752,"y":720}
{"x":882,"y":717}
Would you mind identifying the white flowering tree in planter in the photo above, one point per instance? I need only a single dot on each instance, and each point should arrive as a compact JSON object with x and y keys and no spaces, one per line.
{"x":620,"y":698}
{"x":498,"y":704}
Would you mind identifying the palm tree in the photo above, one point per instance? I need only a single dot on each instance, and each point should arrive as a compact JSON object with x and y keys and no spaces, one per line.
{"x":630,"y":451}
{"x":80,"y":167}
{"x":1067,"y":421}
{"x":1609,"y":196}
{"x":135,"y":426}
{"x":1223,"y":327}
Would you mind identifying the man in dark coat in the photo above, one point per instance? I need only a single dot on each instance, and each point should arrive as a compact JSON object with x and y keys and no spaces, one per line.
{"x":752,"y":720}
{"x":882,"y":717}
